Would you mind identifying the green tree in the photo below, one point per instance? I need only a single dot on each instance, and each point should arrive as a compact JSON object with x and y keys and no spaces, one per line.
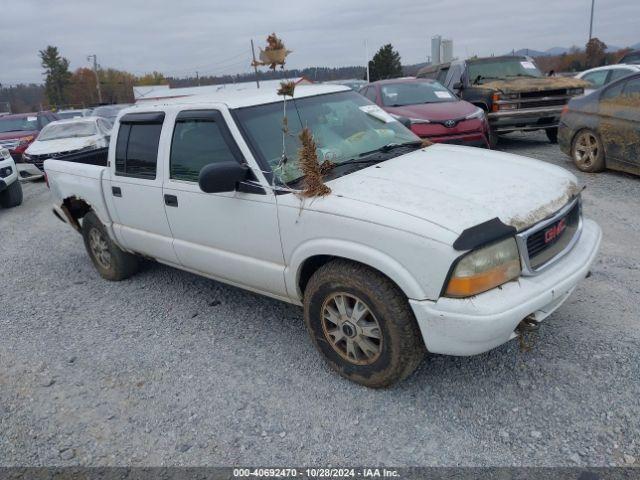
{"x":596,"y":52}
{"x":56,"y":69}
{"x":385,"y":64}
{"x":154,"y":78}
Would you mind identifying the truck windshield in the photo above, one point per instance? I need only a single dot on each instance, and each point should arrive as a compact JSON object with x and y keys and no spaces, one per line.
{"x":414,"y":93}
{"x":16,"y":124}
{"x":344,"y":125}
{"x":55,"y":131}
{"x":502,"y":69}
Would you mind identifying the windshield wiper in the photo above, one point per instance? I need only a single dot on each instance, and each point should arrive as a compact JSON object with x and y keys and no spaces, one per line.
{"x":388,"y":147}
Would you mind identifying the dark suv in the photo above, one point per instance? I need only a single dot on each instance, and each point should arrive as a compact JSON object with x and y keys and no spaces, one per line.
{"x":511,"y":89}
{"x":18,"y":130}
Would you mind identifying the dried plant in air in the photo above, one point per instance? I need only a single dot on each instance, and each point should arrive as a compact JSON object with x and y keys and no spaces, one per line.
{"x":311,"y":169}
{"x":274,"y":54}
{"x":287,"y":88}
{"x":426,"y":143}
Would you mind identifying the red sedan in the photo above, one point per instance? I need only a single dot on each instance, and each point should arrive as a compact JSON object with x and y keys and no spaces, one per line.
{"x":434,"y":112}
{"x":19,"y":130}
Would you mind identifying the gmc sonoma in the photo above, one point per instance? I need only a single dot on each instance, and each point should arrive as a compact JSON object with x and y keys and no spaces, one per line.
{"x":446,"y":249}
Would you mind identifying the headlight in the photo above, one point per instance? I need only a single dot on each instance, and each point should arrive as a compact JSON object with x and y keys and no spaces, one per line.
{"x":575,"y":91}
{"x":25,"y":140}
{"x":484,"y":269}
{"x":479,"y":113}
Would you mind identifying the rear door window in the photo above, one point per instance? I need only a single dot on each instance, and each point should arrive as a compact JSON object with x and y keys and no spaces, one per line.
{"x":137,"y":145}
{"x":618,"y":73}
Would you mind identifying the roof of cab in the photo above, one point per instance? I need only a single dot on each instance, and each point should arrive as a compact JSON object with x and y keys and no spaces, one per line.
{"x":238,"y":98}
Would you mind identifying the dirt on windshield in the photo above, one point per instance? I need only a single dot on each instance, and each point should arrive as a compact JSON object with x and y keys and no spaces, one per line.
{"x":530,"y":84}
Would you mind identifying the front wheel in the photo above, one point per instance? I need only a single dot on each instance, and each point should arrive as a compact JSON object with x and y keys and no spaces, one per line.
{"x":362,"y":324}
{"x":111,"y":262}
{"x":552,"y":134}
{"x":12,"y":196}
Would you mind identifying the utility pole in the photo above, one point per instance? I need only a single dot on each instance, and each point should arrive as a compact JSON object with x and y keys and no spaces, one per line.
{"x":198,"y":78}
{"x":95,"y":70}
{"x":591,"y":22}
{"x":255,"y":65}
{"x":366,"y":54}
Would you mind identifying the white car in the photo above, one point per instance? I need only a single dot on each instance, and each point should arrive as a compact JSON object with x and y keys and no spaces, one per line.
{"x":601,"y":76}
{"x":75,"y":113}
{"x":10,"y":188}
{"x":85,"y":136}
{"x":445,"y":248}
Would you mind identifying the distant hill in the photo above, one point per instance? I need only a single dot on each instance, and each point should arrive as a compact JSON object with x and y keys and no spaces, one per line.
{"x":562,"y":50}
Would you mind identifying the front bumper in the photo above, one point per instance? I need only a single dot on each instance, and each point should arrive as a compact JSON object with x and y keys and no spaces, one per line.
{"x":525,"y":119}
{"x":28,"y":171}
{"x":471,"y":140}
{"x":475,"y":325}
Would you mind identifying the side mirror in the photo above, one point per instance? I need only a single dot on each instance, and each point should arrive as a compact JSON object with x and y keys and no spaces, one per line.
{"x":458,"y":86}
{"x":221,"y":177}
{"x":405,"y":121}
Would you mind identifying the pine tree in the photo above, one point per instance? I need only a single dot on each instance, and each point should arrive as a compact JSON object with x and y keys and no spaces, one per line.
{"x":58,"y":77}
{"x":385,"y":64}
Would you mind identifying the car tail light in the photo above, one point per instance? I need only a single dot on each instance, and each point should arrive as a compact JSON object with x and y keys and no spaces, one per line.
{"x":565,"y":109}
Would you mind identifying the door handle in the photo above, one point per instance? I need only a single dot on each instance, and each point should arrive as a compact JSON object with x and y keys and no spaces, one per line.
{"x":116,"y":191}
{"x":171,"y":200}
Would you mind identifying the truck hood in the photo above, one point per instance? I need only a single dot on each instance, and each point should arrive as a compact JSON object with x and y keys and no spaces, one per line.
{"x":527,"y":84}
{"x":61,"y":145}
{"x":458,"y":187}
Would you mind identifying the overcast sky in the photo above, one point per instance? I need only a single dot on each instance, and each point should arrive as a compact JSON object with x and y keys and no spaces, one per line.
{"x":212,"y":36}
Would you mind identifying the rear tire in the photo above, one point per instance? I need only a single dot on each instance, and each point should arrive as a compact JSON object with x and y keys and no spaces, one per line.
{"x":12,"y":196}
{"x":552,"y":134}
{"x":111,"y":262}
{"x":587,"y":151}
{"x":362,"y":324}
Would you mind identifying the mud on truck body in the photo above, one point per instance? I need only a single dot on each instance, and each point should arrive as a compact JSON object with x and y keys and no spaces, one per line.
{"x":511,"y":89}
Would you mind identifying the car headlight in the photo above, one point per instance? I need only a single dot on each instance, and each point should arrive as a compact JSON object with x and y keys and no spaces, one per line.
{"x":419,"y":120}
{"x":483,"y":269}
{"x":575,"y":91}
{"x":478,"y":113}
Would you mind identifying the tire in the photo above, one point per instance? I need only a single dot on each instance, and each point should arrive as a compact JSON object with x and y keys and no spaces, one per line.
{"x":552,"y":134}
{"x":587,"y":151}
{"x":353,"y":349}
{"x":111,"y":262}
{"x":493,"y":139}
{"x":12,"y":196}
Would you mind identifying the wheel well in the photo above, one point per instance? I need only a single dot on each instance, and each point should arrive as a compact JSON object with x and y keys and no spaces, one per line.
{"x":75,"y":208}
{"x":312,"y":264}
{"x":482,"y":105}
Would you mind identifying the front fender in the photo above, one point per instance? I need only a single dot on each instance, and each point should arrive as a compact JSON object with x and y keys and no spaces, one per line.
{"x":351,"y":251}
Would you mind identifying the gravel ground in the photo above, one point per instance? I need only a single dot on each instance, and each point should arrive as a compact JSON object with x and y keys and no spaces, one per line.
{"x":168,"y":368}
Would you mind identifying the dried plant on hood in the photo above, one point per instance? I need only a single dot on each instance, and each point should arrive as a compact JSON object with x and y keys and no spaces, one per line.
{"x":287,"y":88}
{"x":425,"y":143}
{"x":311,"y":169}
{"x":538,"y":84}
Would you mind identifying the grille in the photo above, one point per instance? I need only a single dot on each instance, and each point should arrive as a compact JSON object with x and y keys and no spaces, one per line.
{"x":546,"y":243}
{"x":544,"y":103}
{"x":543,"y":93}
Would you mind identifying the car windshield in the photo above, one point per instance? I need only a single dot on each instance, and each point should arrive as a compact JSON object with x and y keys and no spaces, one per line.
{"x":70,"y":114}
{"x":501,"y":69}
{"x":345,"y":126}
{"x":108,"y":111}
{"x":55,"y":131}
{"x":16,"y":124}
{"x":413,"y":93}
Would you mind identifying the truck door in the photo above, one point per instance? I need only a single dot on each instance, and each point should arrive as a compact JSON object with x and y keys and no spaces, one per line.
{"x":231,"y":236}
{"x":136,"y":187}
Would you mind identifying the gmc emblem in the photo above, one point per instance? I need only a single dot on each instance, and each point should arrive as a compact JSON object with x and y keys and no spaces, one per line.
{"x":554,"y":232}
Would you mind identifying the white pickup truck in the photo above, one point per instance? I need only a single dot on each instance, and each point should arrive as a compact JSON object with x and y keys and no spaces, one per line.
{"x":446,"y":249}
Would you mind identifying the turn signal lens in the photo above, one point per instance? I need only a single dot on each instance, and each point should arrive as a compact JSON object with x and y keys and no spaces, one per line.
{"x":484,"y":269}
